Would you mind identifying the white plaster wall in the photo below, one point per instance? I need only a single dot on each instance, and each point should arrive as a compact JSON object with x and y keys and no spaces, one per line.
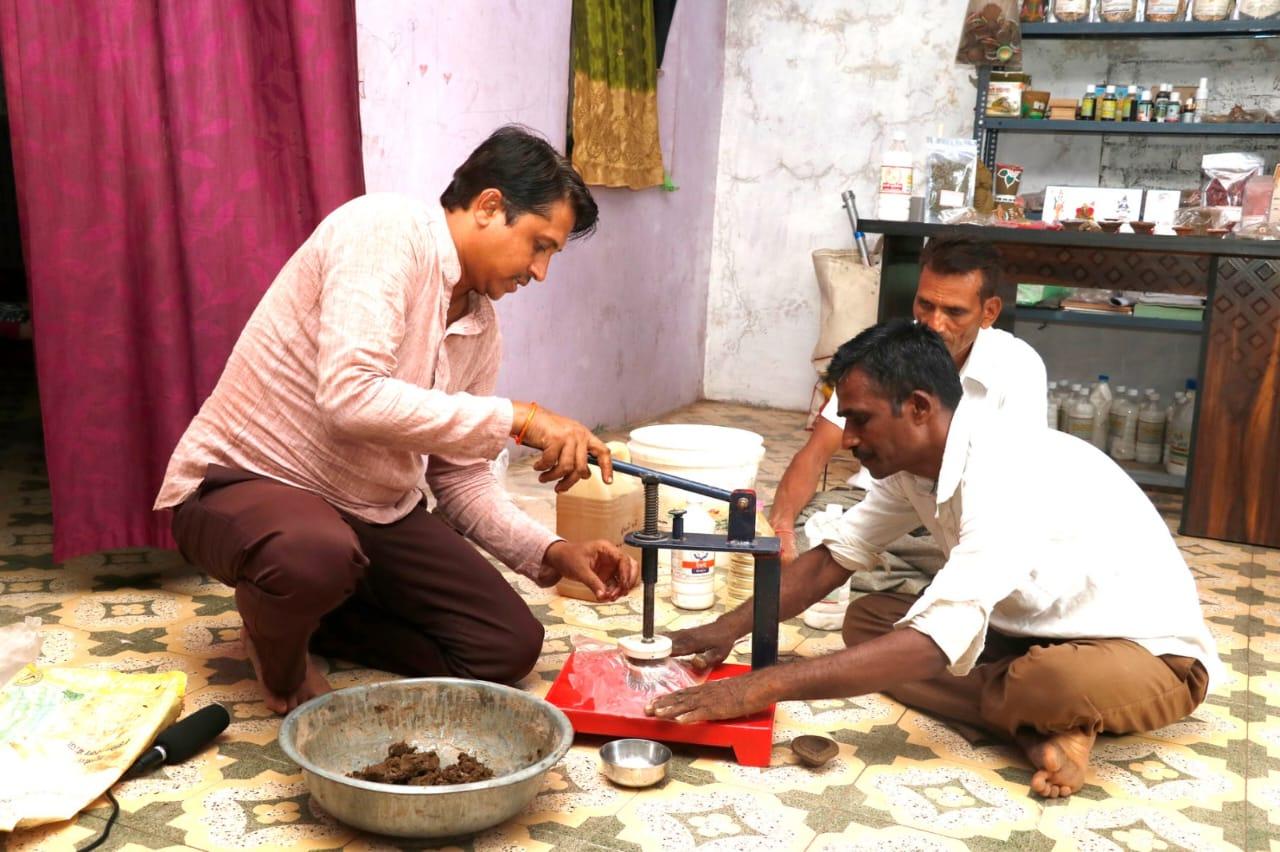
{"x":811,"y":92}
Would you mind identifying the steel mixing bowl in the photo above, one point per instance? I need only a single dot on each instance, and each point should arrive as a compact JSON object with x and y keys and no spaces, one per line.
{"x":519,"y":736}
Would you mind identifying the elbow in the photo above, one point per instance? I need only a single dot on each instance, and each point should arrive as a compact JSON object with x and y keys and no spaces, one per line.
{"x":342,"y":413}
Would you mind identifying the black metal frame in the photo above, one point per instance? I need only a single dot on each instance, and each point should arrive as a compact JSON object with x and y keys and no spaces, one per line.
{"x":740,"y":538}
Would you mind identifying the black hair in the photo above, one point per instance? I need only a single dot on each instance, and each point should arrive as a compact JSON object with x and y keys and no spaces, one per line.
{"x":530,"y":174}
{"x":961,"y":255}
{"x":900,"y":356}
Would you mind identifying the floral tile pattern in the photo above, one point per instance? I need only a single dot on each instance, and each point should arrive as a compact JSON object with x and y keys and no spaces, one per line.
{"x":901,"y":780}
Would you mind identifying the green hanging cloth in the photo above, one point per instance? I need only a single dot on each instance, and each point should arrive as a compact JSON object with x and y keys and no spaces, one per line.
{"x":614,"y":114}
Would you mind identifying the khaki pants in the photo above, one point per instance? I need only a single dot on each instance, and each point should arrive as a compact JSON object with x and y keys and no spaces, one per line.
{"x":1050,"y":686}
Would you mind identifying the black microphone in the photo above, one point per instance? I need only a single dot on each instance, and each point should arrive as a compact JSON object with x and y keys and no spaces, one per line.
{"x":182,"y":739}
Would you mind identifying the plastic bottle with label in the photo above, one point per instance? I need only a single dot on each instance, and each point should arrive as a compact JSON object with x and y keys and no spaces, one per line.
{"x":1080,"y":416}
{"x":1123,"y":431}
{"x":591,"y":510}
{"x":1054,"y":405}
{"x":1150,"y":443}
{"x":1179,"y":397}
{"x":1179,"y":429}
{"x":1100,"y":395}
{"x":1064,"y":412}
{"x":896,"y":179}
{"x":693,"y":572}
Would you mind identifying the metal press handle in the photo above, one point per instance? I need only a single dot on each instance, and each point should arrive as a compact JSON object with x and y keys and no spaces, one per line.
{"x":667,"y":479}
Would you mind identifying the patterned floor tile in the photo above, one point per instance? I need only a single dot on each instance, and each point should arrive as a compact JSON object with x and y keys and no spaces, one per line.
{"x":683,"y":817}
{"x":1122,"y":825}
{"x":945,"y":741}
{"x":1155,"y":773}
{"x":950,"y":799}
{"x":269,"y":811}
{"x":896,"y":838}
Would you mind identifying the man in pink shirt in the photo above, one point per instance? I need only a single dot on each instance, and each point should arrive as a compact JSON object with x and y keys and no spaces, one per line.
{"x":365,"y":375}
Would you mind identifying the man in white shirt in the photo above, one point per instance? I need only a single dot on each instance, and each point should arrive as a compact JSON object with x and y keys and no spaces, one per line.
{"x":956,"y":297}
{"x":1064,"y":609}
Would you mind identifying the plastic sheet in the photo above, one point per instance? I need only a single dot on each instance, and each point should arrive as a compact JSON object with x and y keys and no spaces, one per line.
{"x":618,"y":686}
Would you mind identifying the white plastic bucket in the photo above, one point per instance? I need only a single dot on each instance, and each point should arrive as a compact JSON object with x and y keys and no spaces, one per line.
{"x":714,"y":455}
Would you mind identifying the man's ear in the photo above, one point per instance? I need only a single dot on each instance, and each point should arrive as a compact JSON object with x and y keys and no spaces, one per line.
{"x":991,"y":310}
{"x":488,"y":207}
{"x":920,"y":406}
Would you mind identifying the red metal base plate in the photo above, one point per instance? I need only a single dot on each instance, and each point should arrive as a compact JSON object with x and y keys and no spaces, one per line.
{"x":751,"y":738}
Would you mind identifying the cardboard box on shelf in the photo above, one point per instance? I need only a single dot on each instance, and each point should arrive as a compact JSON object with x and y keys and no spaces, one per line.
{"x":1062,"y":109}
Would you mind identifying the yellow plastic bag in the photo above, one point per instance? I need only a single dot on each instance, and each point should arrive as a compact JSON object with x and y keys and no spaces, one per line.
{"x":67,"y":734}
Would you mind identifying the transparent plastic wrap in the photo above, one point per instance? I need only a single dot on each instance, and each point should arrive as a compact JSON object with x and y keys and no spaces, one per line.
{"x":1117,"y":11}
{"x":1212,"y":10}
{"x":991,"y":34}
{"x":1224,"y":176}
{"x":1034,"y":11}
{"x":1166,"y":11}
{"x":1259,"y":10}
{"x":950,"y":170}
{"x":1260,"y":231}
{"x":1071,"y":11}
{"x":621,"y":687}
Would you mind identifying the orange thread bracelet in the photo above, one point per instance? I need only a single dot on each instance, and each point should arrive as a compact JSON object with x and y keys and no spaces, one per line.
{"x":525,"y":428}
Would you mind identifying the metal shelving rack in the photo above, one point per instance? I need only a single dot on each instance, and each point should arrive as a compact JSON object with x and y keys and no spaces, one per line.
{"x":987,"y":129}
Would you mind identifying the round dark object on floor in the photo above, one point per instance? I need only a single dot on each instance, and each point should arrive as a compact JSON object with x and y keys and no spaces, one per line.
{"x":814,"y":750}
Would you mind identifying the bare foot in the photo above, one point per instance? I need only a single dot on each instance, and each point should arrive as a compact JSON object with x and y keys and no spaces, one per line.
{"x":313,"y":683}
{"x":1062,"y":760}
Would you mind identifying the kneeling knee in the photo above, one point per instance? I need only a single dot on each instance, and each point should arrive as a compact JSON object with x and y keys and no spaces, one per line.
{"x":513,"y":655}
{"x":315,"y":571}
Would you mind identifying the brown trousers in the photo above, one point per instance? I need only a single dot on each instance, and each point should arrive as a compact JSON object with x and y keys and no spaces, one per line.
{"x":1050,"y":686}
{"x":411,"y":597}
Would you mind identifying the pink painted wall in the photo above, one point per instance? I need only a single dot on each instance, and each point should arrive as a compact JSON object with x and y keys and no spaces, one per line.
{"x":616,"y":333}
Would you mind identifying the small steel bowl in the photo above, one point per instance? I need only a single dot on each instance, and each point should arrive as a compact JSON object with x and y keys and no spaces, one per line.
{"x":635,"y":763}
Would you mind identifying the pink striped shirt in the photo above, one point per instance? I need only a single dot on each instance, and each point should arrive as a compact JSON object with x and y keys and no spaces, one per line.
{"x":349,"y":381}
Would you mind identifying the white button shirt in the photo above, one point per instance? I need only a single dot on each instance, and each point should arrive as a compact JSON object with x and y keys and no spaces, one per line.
{"x":1044,"y":535}
{"x":1003,"y":374}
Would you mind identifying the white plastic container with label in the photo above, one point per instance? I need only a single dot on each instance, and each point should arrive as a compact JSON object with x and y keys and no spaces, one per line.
{"x":897,"y":179}
{"x":1150,"y":444}
{"x":1124,"y":426}
{"x":693,"y":572}
{"x":1100,"y":396}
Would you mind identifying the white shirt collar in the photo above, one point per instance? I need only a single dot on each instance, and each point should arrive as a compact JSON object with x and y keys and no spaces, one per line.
{"x":982,"y":365}
{"x":955,"y":454}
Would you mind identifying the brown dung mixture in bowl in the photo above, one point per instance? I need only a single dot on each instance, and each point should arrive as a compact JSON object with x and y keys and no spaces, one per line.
{"x":406,"y":765}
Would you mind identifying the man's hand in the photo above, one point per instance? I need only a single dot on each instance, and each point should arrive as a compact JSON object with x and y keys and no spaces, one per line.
{"x":710,"y":643}
{"x":787,"y":538}
{"x":564,"y":443}
{"x":599,"y":565}
{"x":729,"y":698}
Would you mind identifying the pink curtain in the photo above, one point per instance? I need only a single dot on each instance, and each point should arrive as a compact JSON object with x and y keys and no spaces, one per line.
{"x":170,"y":156}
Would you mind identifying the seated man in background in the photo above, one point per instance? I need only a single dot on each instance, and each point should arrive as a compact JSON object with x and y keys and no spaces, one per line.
{"x":1064,"y":609}
{"x":956,"y":297}
{"x":371,"y":360}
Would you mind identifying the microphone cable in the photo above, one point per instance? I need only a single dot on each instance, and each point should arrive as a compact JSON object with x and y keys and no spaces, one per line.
{"x":174,"y":744}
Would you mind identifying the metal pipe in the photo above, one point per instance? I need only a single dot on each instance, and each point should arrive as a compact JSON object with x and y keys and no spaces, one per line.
{"x":667,"y":479}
